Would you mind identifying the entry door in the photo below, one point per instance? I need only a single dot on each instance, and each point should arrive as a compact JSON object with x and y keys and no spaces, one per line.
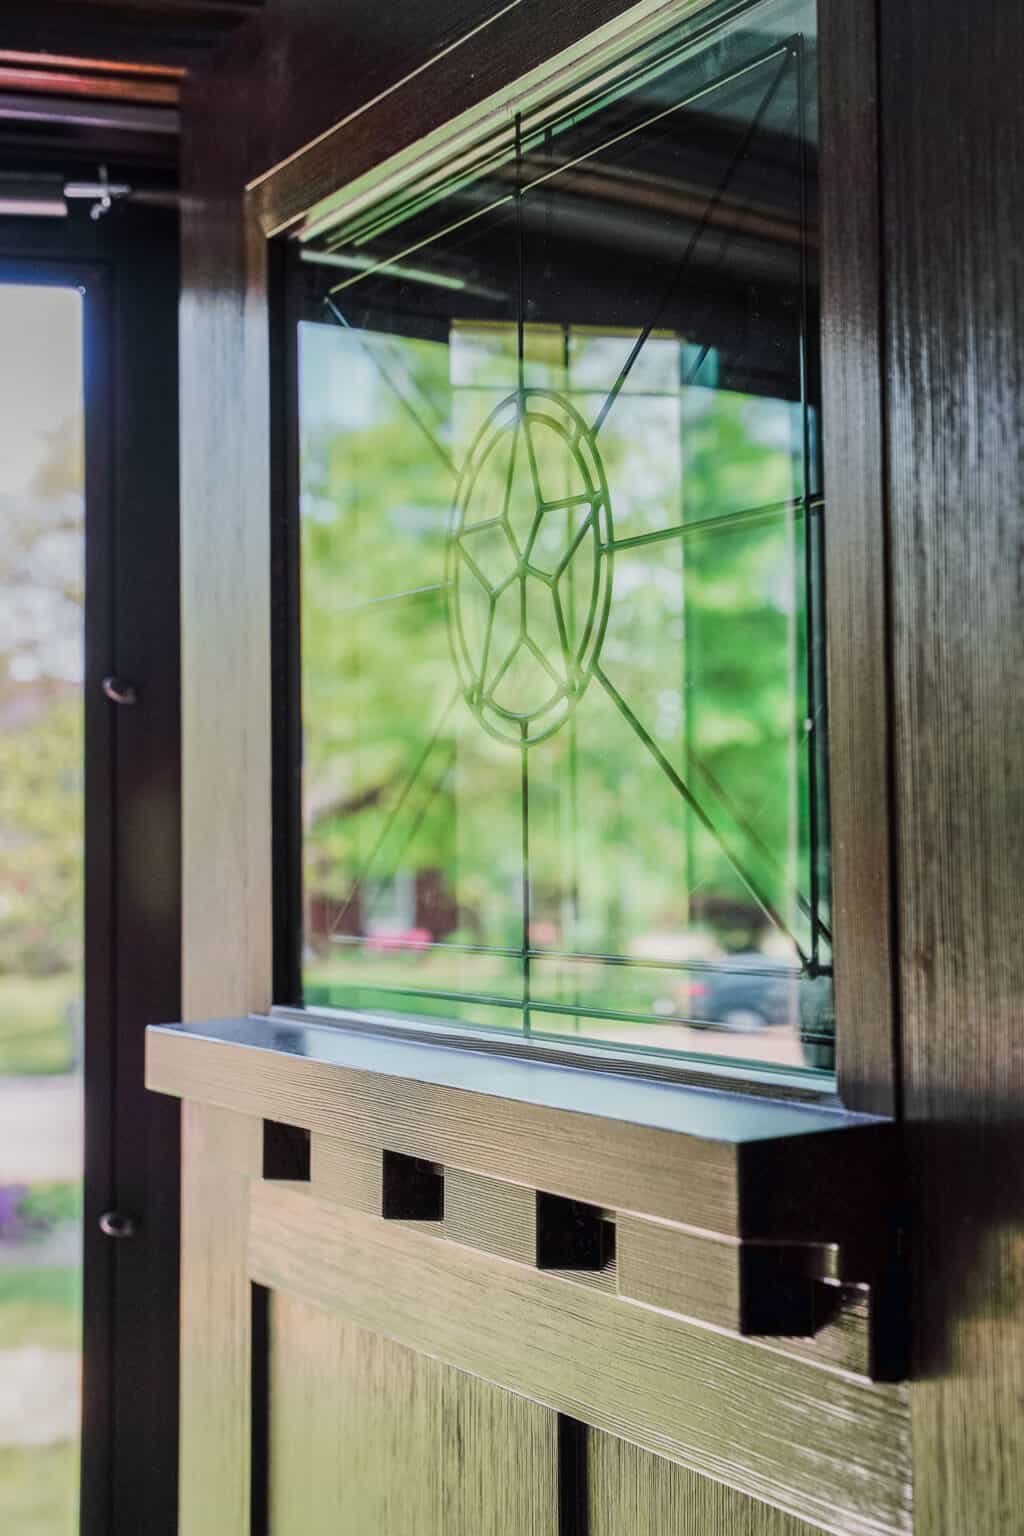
{"x":534,"y":1200}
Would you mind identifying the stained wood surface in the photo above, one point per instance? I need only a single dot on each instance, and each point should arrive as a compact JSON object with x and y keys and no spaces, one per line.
{"x":856,"y":608}
{"x":225,"y":571}
{"x":499,"y":1461}
{"x":321,"y":71}
{"x":843,"y":1341}
{"x":953,"y":140}
{"x":174,"y":32}
{"x":831,"y":1448}
{"x":695,"y":1274}
{"x":499,"y":44}
{"x":220,"y":1152}
{"x":81,"y":83}
{"x":501,"y":1219}
{"x":951,"y":112}
{"x":366,"y":1436}
{"x":751,"y":1169}
{"x":345,"y":1171}
{"x":632,"y":1493}
{"x":354,"y":1429}
{"x":680,"y":1271}
{"x":226,"y":873}
{"x":494,"y":1217}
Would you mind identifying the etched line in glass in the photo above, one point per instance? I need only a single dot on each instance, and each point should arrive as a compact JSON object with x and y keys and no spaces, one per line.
{"x":394,"y":813}
{"x":403,"y":400}
{"x":694,"y":240}
{"x":680,"y":784}
{"x":524,"y":688}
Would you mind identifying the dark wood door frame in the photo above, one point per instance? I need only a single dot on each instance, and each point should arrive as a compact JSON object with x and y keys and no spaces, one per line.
{"x":127,"y":269}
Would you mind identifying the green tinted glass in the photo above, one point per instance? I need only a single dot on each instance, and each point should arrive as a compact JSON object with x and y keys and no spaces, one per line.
{"x":564,"y":765}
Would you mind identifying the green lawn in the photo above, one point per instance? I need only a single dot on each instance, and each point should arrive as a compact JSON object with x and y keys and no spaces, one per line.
{"x":35,"y":1036}
{"x":41,"y":1307}
{"x":39,"y":1490}
{"x":39,"y":1484}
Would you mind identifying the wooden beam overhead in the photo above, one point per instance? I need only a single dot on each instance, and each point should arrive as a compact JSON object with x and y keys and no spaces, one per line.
{"x":71,"y":62}
{"x":89,"y":86}
{"x":153,"y":34}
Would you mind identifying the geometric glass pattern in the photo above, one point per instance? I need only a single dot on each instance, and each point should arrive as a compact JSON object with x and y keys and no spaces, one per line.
{"x":562,"y":520}
{"x":529,"y":566}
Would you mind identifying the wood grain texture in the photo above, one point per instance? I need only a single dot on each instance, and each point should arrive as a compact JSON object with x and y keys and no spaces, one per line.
{"x":792,"y":1187}
{"x":952,"y":136}
{"x":320,"y":70}
{"x":844,"y":1340}
{"x":494,"y":1217}
{"x":225,"y":570}
{"x":175,"y":33}
{"x":347,"y":1172}
{"x":501,"y":1219}
{"x":953,"y":141}
{"x":504,"y":44}
{"x":354,"y":1429}
{"x":220,"y":1152}
{"x":499,"y":1462}
{"x":693,"y":1273}
{"x":855,"y":557}
{"x":66,"y":82}
{"x":755,"y":1290}
{"x":603,"y":1162}
{"x":822,"y":1445}
{"x":366,"y":1436}
{"x":632,"y":1493}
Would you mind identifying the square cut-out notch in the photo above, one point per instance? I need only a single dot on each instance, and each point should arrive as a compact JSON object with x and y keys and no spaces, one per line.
{"x":285,"y":1151}
{"x":572,"y":1235}
{"x":413,"y":1189}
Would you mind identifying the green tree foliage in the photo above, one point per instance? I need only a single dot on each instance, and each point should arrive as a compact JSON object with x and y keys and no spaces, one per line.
{"x":41,"y":746}
{"x":705,"y":645}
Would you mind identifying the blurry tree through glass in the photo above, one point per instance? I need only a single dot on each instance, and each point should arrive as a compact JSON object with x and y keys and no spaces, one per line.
{"x":561,"y":527}
{"x":41,"y":862}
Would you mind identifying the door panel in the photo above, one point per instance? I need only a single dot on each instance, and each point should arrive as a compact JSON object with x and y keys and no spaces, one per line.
{"x":632,"y":1493}
{"x":398,"y":1334}
{"x":368,"y":1436}
{"x":220,"y":1150}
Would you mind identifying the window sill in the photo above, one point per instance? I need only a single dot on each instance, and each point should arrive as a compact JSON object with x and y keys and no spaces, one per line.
{"x":754,"y":1197}
{"x":764,"y":1080}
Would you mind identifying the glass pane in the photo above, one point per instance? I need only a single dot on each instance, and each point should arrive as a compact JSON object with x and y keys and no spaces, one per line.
{"x":561,"y":542}
{"x":41,"y":830}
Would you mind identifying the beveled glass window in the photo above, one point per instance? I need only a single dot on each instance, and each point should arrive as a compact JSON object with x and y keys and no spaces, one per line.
{"x":563,"y":687}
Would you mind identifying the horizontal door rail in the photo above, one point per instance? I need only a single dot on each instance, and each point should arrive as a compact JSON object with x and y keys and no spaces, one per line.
{"x":758,"y":1216}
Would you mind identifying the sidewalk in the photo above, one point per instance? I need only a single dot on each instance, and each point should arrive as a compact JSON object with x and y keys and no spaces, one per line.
{"x":41,"y":1129}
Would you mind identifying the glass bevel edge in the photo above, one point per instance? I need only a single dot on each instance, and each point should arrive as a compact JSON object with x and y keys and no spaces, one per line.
{"x":596,"y":62}
{"x":797,"y":1084}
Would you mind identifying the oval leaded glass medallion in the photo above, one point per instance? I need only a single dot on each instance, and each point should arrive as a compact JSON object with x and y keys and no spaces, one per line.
{"x":529,"y":566}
